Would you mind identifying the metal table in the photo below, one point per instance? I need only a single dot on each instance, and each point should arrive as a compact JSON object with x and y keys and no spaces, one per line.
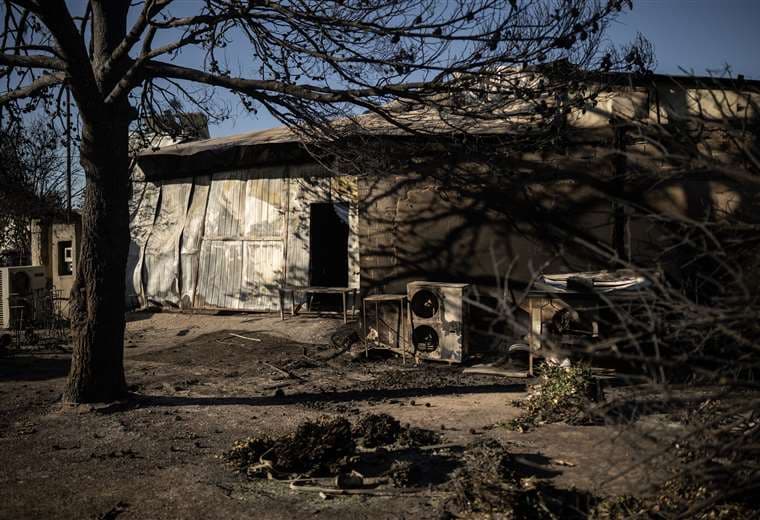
{"x":538,"y":300}
{"x":378,"y":299}
{"x":586,"y":293}
{"x":343,"y":291}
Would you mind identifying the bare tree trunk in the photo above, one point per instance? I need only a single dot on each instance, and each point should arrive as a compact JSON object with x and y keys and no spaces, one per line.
{"x":97,"y":299}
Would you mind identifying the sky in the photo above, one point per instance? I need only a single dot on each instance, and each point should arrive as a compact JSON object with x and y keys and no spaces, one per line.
{"x":698,"y":36}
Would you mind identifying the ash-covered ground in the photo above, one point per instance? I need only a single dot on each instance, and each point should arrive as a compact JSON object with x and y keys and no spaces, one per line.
{"x":198,"y":388}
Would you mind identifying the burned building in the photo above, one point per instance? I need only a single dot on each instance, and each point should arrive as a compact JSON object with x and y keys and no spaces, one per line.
{"x":225,"y":222}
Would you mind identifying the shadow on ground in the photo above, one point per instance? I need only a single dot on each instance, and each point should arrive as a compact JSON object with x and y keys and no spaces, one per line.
{"x":138,"y":400}
{"x":31,"y":367}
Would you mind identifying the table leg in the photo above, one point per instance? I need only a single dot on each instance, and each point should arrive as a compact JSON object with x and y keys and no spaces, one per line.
{"x":401,"y":334}
{"x":377,"y":323}
{"x":364,"y":329}
{"x":534,"y":338}
{"x":282,"y":305}
{"x":293,"y":302}
{"x":345,"y":307}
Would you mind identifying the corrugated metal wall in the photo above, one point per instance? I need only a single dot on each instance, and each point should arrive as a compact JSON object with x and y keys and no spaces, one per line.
{"x":142,"y":210}
{"x":229,"y":240}
{"x":192,"y":240}
{"x":162,"y":249}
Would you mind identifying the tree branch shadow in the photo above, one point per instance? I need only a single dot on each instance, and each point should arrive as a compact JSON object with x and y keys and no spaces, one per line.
{"x":142,"y":401}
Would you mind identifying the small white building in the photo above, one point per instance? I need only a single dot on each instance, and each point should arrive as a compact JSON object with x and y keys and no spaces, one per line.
{"x":55,"y":244}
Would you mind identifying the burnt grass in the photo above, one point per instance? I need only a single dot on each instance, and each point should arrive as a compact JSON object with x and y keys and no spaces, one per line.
{"x":479,"y":478}
{"x":329,"y":446}
{"x":316,"y":448}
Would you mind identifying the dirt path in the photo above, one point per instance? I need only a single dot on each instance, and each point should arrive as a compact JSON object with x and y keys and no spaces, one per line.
{"x":198,"y":389}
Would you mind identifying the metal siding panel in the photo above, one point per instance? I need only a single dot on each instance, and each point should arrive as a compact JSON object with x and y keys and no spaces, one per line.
{"x":192,"y":237}
{"x":249,"y":205}
{"x":206,"y":279}
{"x":263,"y":257}
{"x":224,"y":186}
{"x":345,"y":189}
{"x":354,"y":264}
{"x":211,"y":220}
{"x":143,"y":213}
{"x":162,"y":247}
{"x":223,"y":269}
{"x":217,"y":215}
{"x":201,"y":289}
{"x":209,"y":283}
{"x":218,"y":289}
{"x":267,"y":210}
{"x":234,"y":273}
{"x":264,"y":213}
{"x":262,"y":275}
{"x":234,"y":216}
{"x":223,"y":215}
{"x":240,"y":208}
{"x":224,"y":201}
{"x":213,"y":277}
{"x":302,"y":194}
{"x":233,"y":255}
{"x":188,"y":267}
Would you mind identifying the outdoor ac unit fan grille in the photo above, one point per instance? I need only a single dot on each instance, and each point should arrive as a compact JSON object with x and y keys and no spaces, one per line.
{"x":20,"y":283}
{"x":425,"y":304}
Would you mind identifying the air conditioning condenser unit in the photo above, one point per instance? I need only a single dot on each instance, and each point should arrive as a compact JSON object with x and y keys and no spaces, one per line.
{"x":18,"y":286}
{"x":439,"y":314}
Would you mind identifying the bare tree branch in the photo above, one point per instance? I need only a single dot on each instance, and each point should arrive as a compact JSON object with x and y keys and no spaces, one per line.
{"x":33,"y":61}
{"x":150,"y":9}
{"x":57,"y":18}
{"x":252,"y":86}
{"x":36,"y":86}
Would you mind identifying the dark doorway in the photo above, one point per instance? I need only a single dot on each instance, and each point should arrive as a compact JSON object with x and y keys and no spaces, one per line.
{"x":328,"y":264}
